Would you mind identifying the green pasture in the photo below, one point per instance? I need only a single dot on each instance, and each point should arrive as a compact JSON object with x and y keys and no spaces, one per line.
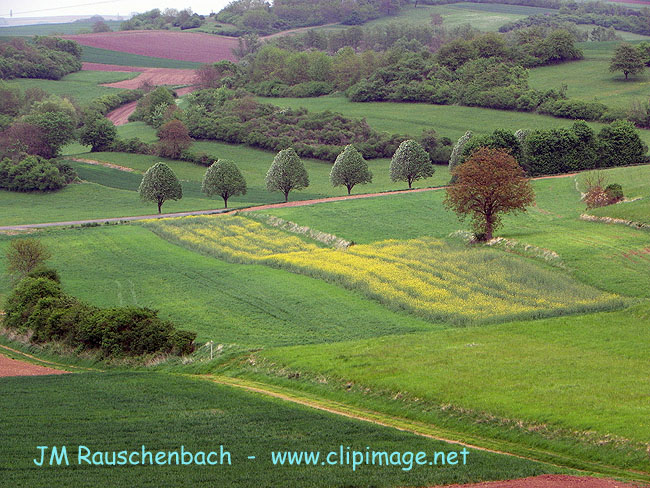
{"x":580,"y":376}
{"x":68,"y":28}
{"x":590,"y":79}
{"x":249,"y":305}
{"x":485,"y":17}
{"x":124,"y":411}
{"x":83,"y":86}
{"x":448,"y":120}
{"x":106,"y":56}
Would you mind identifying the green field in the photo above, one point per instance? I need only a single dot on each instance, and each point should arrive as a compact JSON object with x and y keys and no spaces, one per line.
{"x":579,"y":374}
{"x":165,"y":412}
{"x":67,"y":28}
{"x":552,"y":224}
{"x":590,"y":78}
{"x":83,"y":86}
{"x":249,"y":305}
{"x":105,"y":56}
{"x":448,"y":120}
{"x":485,"y":17}
{"x":534,"y":344}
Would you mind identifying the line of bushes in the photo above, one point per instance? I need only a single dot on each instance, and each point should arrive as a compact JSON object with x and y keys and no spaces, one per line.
{"x":564,"y":150}
{"x":34,"y":173}
{"x":43,"y":57}
{"x":233,"y":117}
{"x":38,"y":305}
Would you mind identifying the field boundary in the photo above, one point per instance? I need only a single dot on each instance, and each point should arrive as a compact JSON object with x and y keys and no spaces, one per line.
{"x":28,"y":358}
{"x":297,"y":203}
{"x":428,"y":430}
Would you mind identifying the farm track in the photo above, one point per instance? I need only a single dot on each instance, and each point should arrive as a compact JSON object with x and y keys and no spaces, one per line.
{"x":27,"y":361}
{"x":433,"y":432}
{"x":12,"y":367}
{"x":298,"y":203}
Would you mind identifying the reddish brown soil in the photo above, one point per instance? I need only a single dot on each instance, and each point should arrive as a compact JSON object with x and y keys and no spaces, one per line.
{"x":11,"y":367}
{"x":184,"y":46}
{"x":157,"y":76}
{"x":120,"y":115}
{"x":550,"y":481}
{"x":109,"y":67}
{"x":641,"y":2}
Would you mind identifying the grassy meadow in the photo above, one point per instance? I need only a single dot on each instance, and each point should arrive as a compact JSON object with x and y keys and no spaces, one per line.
{"x":83,"y":86}
{"x":251,"y":305}
{"x":427,"y":277}
{"x":590,"y":79}
{"x":582,"y":375}
{"x":165,"y":412}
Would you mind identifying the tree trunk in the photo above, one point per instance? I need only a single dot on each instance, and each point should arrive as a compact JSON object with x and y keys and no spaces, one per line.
{"x":349,"y":189}
{"x":489,"y":224}
{"x":225,"y":202}
{"x":410,"y":182}
{"x":159,"y":206}
{"x":625,"y":73}
{"x":286,"y":196}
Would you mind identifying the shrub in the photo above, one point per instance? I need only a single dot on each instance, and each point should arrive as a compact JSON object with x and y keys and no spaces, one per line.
{"x":25,"y":256}
{"x":34,"y":174}
{"x":38,"y":305}
{"x":614,"y":192}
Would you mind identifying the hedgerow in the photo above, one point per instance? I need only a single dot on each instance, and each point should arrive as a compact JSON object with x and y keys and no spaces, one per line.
{"x":38,"y":306}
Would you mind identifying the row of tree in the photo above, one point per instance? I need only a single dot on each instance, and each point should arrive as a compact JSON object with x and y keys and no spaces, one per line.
{"x":286,"y":174}
{"x":556,"y":151}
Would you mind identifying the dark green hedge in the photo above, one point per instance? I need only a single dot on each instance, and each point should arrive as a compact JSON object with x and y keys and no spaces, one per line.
{"x":39,"y":305}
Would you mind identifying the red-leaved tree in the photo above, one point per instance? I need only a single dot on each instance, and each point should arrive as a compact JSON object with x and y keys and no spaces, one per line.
{"x":174,"y":139}
{"x":487,"y":185}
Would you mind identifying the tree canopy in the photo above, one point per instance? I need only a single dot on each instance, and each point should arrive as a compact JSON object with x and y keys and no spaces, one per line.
{"x":489,"y":184}
{"x":223,"y":178}
{"x":410,"y":163}
{"x":350,"y":169}
{"x":287,"y":172}
{"x":627,"y":59}
{"x":160,"y":184}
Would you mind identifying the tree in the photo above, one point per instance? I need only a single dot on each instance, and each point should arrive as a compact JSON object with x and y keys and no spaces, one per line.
{"x":25,"y":255}
{"x":223,"y":178}
{"x":619,"y":144}
{"x":174,"y":139}
{"x":101,"y":26}
{"x":627,"y":59}
{"x":57,"y":130}
{"x":98,"y":132}
{"x":350,"y":169}
{"x":489,"y":184}
{"x":458,"y":149}
{"x":287,"y":173}
{"x":410,"y":163}
{"x":160,"y":184}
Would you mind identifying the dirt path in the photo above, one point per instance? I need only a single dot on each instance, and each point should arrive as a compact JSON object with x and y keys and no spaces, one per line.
{"x":550,"y":481}
{"x":298,"y":203}
{"x":120,"y":115}
{"x":13,"y":367}
{"x":436,"y":433}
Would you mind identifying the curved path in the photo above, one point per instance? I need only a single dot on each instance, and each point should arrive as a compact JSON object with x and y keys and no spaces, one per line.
{"x":298,"y":203}
{"x":13,"y":367}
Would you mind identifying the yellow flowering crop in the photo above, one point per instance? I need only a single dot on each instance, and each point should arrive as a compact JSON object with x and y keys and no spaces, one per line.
{"x":426,"y":276}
